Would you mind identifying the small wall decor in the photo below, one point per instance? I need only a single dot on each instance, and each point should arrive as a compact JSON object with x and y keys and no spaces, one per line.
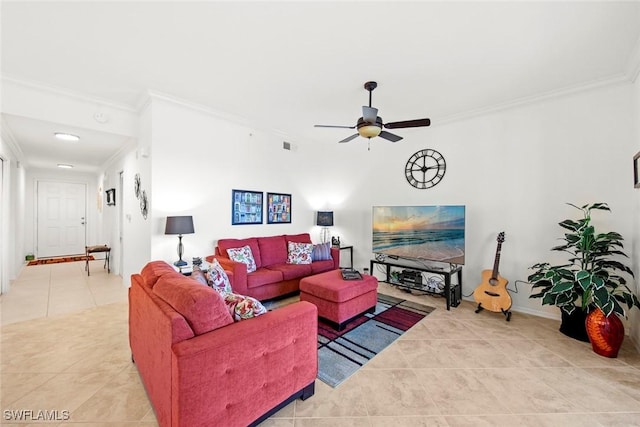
{"x":636,"y":170}
{"x":246,"y":207}
{"x":278,"y":208}
{"x":144,"y":204}
{"x":136,"y":185}
{"x":111,"y":197}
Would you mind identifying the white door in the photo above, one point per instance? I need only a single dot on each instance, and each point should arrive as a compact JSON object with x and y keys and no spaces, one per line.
{"x":61,"y":218}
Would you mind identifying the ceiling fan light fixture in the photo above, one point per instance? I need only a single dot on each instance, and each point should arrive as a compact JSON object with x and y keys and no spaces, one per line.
{"x":67,"y":137}
{"x":369,"y":131}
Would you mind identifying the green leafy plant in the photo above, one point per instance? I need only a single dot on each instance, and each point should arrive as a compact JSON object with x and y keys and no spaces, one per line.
{"x":591,"y":277}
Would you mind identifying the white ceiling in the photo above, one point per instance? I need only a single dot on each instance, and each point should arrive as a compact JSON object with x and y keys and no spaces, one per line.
{"x":287,"y":66}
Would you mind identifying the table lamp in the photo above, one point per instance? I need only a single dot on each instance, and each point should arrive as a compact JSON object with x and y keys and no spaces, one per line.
{"x":325,"y":220}
{"x":179,"y":225}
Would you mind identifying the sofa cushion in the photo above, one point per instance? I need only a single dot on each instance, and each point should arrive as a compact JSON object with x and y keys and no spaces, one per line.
{"x":218,"y":278}
{"x":202,"y":307}
{"x":224,"y":244}
{"x":299,"y":253}
{"x":263,"y":276}
{"x":321,"y":252}
{"x":153,"y":270}
{"x":243,"y":307}
{"x":292,"y":271}
{"x":298,"y":238}
{"x":273,"y":250}
{"x":321,"y":266}
{"x":243,"y":255}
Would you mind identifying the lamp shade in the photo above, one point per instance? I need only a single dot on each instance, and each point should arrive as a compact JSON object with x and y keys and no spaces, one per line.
{"x":325,"y":219}
{"x":179,"y":225}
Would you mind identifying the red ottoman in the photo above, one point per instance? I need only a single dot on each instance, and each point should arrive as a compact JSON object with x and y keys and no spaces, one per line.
{"x":339,"y":300}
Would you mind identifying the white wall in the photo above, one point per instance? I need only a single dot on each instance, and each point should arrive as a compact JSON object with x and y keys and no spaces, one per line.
{"x":12,"y":206}
{"x":514,"y":170}
{"x":197,"y":159}
{"x":635,"y":314}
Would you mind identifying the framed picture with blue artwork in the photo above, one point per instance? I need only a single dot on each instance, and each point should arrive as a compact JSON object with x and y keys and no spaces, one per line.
{"x":246,"y":207}
{"x":278,"y":208}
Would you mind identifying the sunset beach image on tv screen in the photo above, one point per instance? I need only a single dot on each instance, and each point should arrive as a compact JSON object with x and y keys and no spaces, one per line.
{"x":434,"y":233}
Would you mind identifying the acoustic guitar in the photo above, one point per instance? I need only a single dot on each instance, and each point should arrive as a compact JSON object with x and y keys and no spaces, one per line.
{"x":492,"y":293}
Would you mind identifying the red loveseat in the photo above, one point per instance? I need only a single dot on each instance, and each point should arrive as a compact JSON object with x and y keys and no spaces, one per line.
{"x":274,"y":277}
{"x":200,"y":368}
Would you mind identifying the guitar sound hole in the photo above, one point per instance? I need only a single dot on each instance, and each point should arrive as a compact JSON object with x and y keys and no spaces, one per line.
{"x":491,"y":294}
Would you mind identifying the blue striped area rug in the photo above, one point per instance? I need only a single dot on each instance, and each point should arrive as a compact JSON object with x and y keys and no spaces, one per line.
{"x":341,"y":354}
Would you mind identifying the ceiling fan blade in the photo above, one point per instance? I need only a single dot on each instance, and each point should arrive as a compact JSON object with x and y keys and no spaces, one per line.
{"x":408,"y":124}
{"x":389,"y":136}
{"x":334,"y":126}
{"x":355,"y":135}
{"x":369,"y":114}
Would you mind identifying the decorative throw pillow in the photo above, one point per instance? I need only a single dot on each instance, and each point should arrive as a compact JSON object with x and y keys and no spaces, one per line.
{"x":218,"y":278}
{"x":321,"y":252}
{"x":299,"y":253}
{"x":242,"y":307}
{"x":243,"y":255}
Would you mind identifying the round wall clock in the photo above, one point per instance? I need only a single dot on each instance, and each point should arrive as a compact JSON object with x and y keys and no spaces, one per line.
{"x":425,"y":168}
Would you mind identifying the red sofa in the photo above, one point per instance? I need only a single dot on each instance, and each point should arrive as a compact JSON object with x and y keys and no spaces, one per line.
{"x":273,"y":277}
{"x":200,"y":368}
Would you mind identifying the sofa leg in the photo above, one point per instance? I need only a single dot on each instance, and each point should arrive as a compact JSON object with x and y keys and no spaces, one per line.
{"x":308,"y":391}
{"x":132,"y":359}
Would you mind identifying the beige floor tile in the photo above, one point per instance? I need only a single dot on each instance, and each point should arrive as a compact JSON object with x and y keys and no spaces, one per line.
{"x":123,"y":398}
{"x":333,"y":422}
{"x":393,"y":392}
{"x":459,"y":391}
{"x":415,"y":421}
{"x":586,"y":391}
{"x":330,"y":402}
{"x":64,"y":345}
{"x":525,"y":392}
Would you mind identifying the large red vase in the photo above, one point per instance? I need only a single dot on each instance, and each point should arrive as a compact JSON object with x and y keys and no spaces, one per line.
{"x":605,"y":333}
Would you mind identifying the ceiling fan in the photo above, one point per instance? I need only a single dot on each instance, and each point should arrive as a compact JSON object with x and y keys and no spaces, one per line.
{"x":370,"y":124}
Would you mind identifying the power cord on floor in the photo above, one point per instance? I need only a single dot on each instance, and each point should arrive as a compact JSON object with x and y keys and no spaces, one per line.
{"x":515,"y":291}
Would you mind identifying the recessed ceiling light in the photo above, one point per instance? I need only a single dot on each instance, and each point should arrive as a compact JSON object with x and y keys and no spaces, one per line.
{"x":64,"y":166}
{"x":67,"y":136}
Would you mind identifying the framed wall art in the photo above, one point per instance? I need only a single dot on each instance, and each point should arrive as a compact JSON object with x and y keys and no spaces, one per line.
{"x":246,"y":207}
{"x":278,"y":208}
{"x":636,"y":170}
{"x":111,"y":197}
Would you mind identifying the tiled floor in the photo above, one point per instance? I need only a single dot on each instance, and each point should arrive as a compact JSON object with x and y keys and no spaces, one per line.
{"x":64,"y":348}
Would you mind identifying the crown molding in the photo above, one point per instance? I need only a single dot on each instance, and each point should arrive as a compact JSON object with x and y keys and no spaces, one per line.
{"x":154,"y":94}
{"x":528,"y":100}
{"x":633,"y":64}
{"x":66,"y":93}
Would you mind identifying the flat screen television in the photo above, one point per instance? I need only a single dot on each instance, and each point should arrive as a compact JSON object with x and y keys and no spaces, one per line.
{"x":429,"y":233}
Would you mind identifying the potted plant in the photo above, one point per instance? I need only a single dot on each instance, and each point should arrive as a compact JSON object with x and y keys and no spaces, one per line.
{"x":591,"y":282}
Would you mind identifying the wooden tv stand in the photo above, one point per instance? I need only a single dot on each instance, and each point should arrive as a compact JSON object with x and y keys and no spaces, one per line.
{"x":446,"y":272}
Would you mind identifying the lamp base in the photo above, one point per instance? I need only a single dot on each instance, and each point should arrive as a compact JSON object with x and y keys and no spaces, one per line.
{"x":180,"y":263}
{"x":325,"y":235}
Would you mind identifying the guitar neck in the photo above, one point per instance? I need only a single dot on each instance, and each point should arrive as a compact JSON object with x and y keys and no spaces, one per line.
{"x":496,"y":262}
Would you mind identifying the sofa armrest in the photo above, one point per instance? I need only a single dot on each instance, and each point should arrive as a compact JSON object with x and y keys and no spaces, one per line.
{"x":236,"y":271}
{"x":335,"y":254}
{"x":236,"y":373}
